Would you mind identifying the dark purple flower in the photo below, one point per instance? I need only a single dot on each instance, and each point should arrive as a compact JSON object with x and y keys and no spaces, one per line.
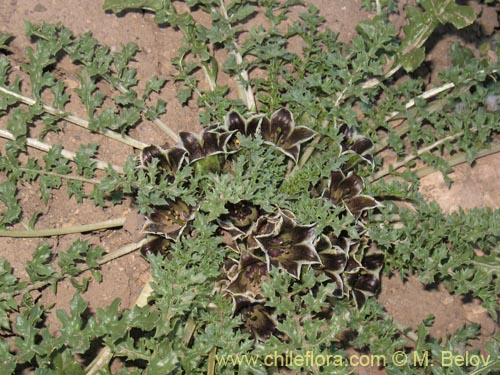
{"x":259,"y":321}
{"x":362,"y":277}
{"x":333,"y":253}
{"x":347,"y":190}
{"x":280,"y":131}
{"x":212,"y":141}
{"x":288,"y":245}
{"x":169,"y":160}
{"x":157,"y":245}
{"x":247,"y":281}
{"x":170,"y":220}
{"x":239,"y":218}
{"x":356,"y":147}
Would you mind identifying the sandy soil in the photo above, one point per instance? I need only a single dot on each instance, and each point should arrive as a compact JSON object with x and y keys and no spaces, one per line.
{"x":124,"y":278}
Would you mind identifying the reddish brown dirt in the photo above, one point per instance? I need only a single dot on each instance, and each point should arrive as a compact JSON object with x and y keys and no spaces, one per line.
{"x":408,"y":302}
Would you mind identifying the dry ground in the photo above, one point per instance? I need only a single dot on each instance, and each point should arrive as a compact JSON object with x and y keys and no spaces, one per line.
{"x":124,"y":278}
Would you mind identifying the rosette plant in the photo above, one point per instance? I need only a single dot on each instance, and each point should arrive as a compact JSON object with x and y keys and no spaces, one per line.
{"x":263,"y":237}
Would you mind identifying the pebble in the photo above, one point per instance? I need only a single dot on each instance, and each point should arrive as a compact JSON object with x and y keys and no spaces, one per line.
{"x":39,"y":8}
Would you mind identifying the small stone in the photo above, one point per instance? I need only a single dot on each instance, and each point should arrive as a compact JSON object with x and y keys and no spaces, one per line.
{"x":39,"y":8}
{"x":448,"y":300}
{"x":489,"y":21}
{"x":475,"y":313}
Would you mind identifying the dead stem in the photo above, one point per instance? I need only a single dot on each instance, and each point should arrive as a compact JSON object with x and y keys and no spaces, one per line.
{"x":425,"y":95}
{"x":459,"y":159}
{"x":113,"y":223}
{"x":395,"y":166}
{"x":243,"y":82}
{"x":35,"y":143}
{"x":76,"y":120}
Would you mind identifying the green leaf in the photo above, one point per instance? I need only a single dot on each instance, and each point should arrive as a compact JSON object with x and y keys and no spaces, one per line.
{"x":117,"y":6}
{"x":8,"y":196}
{"x":74,"y":333}
{"x":7,"y":359}
{"x":155,"y":84}
{"x":69,"y":260}
{"x":242,"y":13}
{"x":184,"y":95}
{"x":76,"y":189}
{"x":66,"y":364}
{"x":422,"y":24}
{"x":413,"y":59}
{"x":17,"y":125}
{"x":122,"y":58}
{"x":85,"y":165}
{"x":154,"y":112}
{"x":4,"y":41}
{"x":461,"y":55}
{"x":448,"y":11}
{"x":91,"y":98}
{"x":39,"y":268}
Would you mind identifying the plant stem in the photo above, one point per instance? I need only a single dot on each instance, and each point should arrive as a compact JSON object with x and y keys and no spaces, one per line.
{"x":409,"y":158}
{"x":425,"y":95}
{"x":489,"y":267}
{"x":127,"y":249}
{"x":166,"y":129}
{"x":76,"y":120}
{"x":67,"y":177}
{"x":459,"y":159}
{"x":244,"y":89}
{"x":211,"y":83}
{"x":404,"y":127}
{"x":35,"y":143}
{"x":102,"y":359}
{"x":113,"y":223}
{"x":211,"y":361}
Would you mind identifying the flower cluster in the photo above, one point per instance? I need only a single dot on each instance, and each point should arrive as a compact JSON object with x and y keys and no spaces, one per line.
{"x":261,"y":239}
{"x":280,"y":131}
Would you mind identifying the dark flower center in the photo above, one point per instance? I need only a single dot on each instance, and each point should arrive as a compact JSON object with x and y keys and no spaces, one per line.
{"x":278,"y":246}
